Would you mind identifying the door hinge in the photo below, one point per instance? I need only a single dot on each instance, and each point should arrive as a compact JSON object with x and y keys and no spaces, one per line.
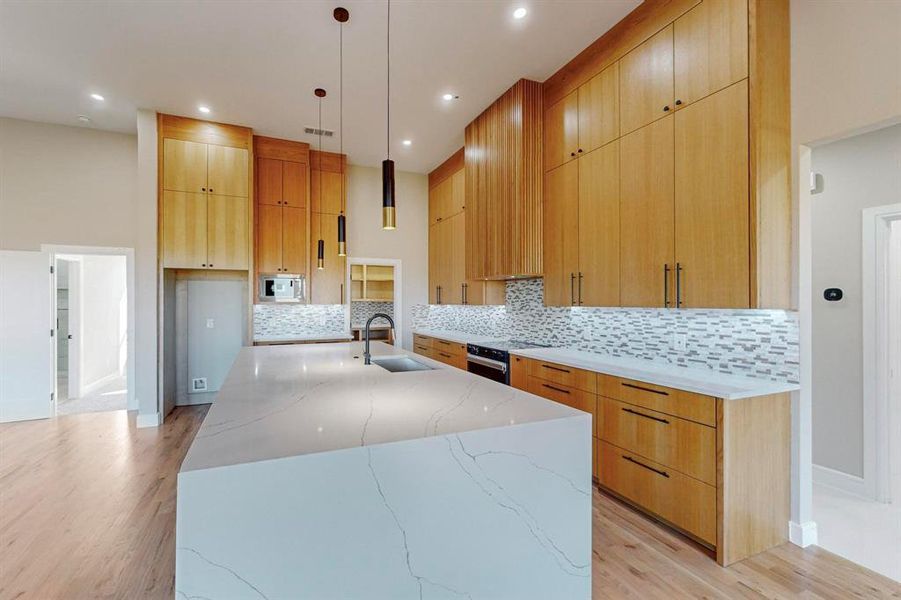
{"x":51,"y":333}
{"x":51,"y":269}
{"x":51,"y":396}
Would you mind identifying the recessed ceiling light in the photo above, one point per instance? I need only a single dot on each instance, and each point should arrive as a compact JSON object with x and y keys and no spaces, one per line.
{"x":204,"y":109}
{"x":407,"y":142}
{"x":97,"y":97}
{"x":520,"y":12}
{"x":84,"y":118}
{"x":450,"y":97}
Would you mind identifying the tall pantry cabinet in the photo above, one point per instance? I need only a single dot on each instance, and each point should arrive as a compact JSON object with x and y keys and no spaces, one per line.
{"x":700,"y":118}
{"x":328,"y":190}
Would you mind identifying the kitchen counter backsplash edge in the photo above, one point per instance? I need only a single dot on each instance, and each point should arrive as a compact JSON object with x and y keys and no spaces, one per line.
{"x":753,"y":343}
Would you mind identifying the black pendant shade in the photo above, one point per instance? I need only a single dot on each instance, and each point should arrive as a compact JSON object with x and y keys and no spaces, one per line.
{"x":342,"y":235}
{"x":320,"y":255}
{"x":389,"y":220}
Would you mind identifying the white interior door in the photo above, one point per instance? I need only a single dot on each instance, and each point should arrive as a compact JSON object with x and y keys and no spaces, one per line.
{"x":75,"y":333}
{"x":27,"y":349}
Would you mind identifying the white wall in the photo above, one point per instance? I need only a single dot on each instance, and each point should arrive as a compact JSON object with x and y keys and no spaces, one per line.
{"x":65,"y":185}
{"x":857,"y":172}
{"x":895,"y":382}
{"x":409,"y":242}
{"x":104,"y":319}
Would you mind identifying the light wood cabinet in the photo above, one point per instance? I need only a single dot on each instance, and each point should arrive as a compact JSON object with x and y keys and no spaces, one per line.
{"x":710,"y":46}
{"x":561,"y":234}
{"x":646,"y":82}
{"x":326,"y":284}
{"x":599,"y":233}
{"x":504,"y":171}
{"x":647,"y":216}
{"x":184,"y":166}
{"x":711,"y":201}
{"x":281,"y":214}
{"x":599,"y":110}
{"x":227,"y":171}
{"x":561,"y":131}
{"x":447,"y":198}
{"x":227,"y":232}
{"x":329,"y":201}
{"x":184,"y":231}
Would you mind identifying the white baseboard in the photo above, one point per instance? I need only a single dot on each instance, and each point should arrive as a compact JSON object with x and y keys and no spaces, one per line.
{"x":95,"y":385}
{"x":802,"y":534}
{"x":149,"y":419}
{"x":841,"y":481}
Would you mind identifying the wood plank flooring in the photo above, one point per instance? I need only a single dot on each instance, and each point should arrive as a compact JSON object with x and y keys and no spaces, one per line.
{"x":87,"y":510}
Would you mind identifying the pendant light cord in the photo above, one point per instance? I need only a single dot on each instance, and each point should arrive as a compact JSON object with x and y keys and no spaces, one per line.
{"x":341,"y":108}
{"x":320,"y":167}
{"x":388,"y":103}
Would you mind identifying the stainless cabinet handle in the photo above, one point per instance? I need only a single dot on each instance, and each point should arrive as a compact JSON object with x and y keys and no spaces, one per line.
{"x":572,"y":289}
{"x":665,"y":286}
{"x":679,"y":270}
{"x":580,"y":286}
{"x":648,"y":467}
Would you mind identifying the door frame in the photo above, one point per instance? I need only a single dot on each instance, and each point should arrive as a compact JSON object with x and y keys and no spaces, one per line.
{"x":398,"y":292}
{"x":129,"y":254}
{"x":876,"y":229}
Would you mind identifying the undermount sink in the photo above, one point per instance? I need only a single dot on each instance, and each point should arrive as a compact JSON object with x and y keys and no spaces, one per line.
{"x":400,"y":364}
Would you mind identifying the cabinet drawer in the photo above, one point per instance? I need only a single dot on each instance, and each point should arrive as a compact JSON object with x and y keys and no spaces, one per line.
{"x":570,"y":396}
{"x":688,"y":405}
{"x":567,"y":376}
{"x":683,"y":501}
{"x":421,"y":340}
{"x":449,"y":347}
{"x":682,"y":445}
{"x":423,"y":350}
{"x":454,"y":360}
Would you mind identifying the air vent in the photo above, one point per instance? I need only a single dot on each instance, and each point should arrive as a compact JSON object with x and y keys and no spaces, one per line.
{"x":198,"y":385}
{"x":315,"y":131}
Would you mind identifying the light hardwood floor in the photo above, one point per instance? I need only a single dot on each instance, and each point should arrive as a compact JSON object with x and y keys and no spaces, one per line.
{"x":87,"y":510}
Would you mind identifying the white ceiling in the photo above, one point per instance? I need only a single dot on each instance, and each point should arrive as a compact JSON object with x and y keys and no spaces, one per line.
{"x":256,"y":63}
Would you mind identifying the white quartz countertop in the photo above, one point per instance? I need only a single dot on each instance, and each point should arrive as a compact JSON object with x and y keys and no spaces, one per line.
{"x":281,"y":401}
{"x":457,"y":336}
{"x":701,"y":381}
{"x":315,"y":337}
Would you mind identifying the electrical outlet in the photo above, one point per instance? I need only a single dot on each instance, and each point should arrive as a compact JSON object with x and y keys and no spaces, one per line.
{"x":210,"y":323}
{"x":680,"y":342}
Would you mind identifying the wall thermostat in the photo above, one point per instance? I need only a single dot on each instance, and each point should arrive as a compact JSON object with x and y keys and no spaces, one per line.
{"x":833,"y":294}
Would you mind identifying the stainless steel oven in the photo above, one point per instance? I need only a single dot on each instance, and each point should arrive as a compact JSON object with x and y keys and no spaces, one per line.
{"x":496,"y":370}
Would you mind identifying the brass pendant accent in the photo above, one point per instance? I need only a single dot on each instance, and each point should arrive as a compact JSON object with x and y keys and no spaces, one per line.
{"x":389,"y":218}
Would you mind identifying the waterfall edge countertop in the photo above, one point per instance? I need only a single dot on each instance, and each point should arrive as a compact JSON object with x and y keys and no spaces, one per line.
{"x":690,"y":379}
{"x":282,"y":401}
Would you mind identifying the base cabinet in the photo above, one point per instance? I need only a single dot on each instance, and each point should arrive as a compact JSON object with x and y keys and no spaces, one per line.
{"x":716,"y":470}
{"x":445,"y":351}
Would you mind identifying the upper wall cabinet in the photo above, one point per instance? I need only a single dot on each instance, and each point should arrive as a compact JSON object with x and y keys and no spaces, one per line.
{"x":710,"y":44}
{"x":504,"y":167}
{"x":646,"y":82}
{"x":205,"y":194}
{"x":704,"y":161}
{"x":584,"y":120}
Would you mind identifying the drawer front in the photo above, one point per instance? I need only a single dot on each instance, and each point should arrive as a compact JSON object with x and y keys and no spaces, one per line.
{"x":422,"y":340}
{"x":423,"y":350}
{"x":567,"y":376}
{"x":454,"y":360}
{"x":448,"y":346}
{"x":569,"y":396}
{"x":688,"y":405}
{"x":678,"y":444}
{"x":683,"y":501}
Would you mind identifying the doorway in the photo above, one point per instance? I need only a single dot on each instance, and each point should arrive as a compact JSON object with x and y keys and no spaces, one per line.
{"x":855,"y":335}
{"x":374,"y":286}
{"x":92,"y":306}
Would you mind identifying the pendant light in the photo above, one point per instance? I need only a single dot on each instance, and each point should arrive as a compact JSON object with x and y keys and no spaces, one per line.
{"x":389,"y":217}
{"x":320,"y":246}
{"x":341,"y":15}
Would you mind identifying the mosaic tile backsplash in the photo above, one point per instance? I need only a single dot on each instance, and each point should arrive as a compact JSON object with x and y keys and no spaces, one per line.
{"x":754,"y":343}
{"x":285,"y":320}
{"x":361,"y":311}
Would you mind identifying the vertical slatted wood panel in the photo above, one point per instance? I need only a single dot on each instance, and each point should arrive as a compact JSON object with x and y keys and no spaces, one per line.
{"x":504,"y":163}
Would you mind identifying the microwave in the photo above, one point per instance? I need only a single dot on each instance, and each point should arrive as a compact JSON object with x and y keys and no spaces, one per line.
{"x":283,"y":287}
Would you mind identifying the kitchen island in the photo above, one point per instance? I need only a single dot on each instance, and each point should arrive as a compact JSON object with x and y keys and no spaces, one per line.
{"x":315,"y":476}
